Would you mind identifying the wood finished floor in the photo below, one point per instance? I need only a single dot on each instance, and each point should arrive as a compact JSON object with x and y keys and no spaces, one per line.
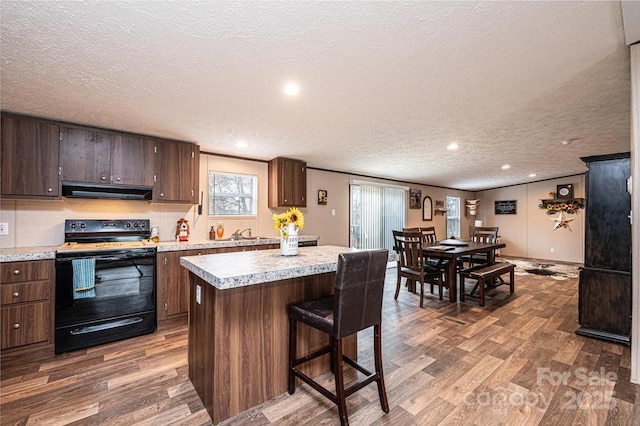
{"x":517,"y":361}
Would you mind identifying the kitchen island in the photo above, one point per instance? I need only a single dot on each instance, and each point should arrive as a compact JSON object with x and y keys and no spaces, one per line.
{"x":238,"y":324}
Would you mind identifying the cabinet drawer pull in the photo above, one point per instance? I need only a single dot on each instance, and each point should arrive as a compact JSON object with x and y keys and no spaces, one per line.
{"x":16,"y":295}
{"x":118,"y":179}
{"x":103,"y":178}
{"x":16,"y":326}
{"x":50,"y":189}
{"x":16,"y":272}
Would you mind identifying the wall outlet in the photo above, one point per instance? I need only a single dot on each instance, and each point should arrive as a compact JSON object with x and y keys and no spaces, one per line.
{"x":198,"y":294}
{"x":553,"y":250}
{"x":4,"y":228}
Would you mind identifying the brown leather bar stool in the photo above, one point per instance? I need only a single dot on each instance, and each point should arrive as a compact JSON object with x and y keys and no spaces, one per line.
{"x":356,"y":305}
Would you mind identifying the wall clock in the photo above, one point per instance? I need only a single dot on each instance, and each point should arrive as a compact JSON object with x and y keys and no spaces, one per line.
{"x":564,"y":191}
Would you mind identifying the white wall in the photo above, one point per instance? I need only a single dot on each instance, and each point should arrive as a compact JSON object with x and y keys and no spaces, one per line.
{"x":41,"y":223}
{"x":529,"y":233}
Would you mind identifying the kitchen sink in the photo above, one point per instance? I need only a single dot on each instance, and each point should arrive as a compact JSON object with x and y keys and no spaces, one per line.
{"x":243,"y":238}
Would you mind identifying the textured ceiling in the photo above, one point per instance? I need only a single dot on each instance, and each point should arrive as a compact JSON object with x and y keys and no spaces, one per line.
{"x":385,"y":86}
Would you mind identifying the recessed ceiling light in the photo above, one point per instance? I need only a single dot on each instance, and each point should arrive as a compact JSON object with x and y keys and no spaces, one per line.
{"x":241,"y":144}
{"x":506,"y":167}
{"x":453,"y":146}
{"x":569,"y":141}
{"x":291,"y":89}
{"x":532,"y":175}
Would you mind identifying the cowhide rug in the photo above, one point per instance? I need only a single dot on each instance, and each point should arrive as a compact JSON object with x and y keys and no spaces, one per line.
{"x":552,"y":270}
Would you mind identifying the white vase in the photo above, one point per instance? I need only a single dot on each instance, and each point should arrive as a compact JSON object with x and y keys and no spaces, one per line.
{"x":289,"y":245}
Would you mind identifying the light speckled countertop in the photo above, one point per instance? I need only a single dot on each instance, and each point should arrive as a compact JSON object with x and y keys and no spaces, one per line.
{"x":205,"y":244}
{"x":231,"y":270}
{"x":20,"y":254}
{"x":27,"y":253}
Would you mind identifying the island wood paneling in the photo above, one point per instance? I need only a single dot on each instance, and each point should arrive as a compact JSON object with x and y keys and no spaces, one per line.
{"x":238,"y":341}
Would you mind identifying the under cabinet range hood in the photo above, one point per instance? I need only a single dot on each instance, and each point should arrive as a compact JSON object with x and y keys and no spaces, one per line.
{"x":113,"y":192}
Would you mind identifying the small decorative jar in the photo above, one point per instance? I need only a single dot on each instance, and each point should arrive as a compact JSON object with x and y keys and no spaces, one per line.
{"x":289,"y":244}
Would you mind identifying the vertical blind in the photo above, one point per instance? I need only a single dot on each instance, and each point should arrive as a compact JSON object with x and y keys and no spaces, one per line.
{"x":376,"y":211}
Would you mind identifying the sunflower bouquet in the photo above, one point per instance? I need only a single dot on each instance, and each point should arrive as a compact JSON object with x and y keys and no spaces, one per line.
{"x":292,"y":216}
{"x":571,"y":206}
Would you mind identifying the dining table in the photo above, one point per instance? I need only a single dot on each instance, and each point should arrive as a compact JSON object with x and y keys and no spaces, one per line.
{"x":452,"y":250}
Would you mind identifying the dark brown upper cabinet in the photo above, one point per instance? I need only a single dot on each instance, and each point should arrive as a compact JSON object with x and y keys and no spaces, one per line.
{"x":287,"y":183}
{"x":103,"y":157}
{"x":177,"y":166}
{"x":29,"y":154}
{"x":133,"y":160}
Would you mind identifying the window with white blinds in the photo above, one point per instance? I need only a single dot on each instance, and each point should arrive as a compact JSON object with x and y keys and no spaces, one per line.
{"x":453,"y":217}
{"x":376,"y":210}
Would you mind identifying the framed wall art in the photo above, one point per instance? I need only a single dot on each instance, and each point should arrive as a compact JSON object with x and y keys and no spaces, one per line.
{"x":322,"y":197}
{"x":505,"y":207}
{"x":564,"y":191}
{"x":427,"y":209}
{"x":414,"y":198}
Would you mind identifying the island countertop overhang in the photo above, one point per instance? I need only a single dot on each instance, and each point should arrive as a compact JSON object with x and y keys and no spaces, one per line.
{"x":240,"y":269}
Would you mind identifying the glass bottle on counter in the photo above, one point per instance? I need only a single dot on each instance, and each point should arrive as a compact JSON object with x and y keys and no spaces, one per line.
{"x":220,"y":229}
{"x":212,"y":233}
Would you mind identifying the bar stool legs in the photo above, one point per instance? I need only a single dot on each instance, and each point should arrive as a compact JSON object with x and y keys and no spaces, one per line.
{"x":355,"y":306}
{"x":377,"y":353}
{"x":337,"y":366}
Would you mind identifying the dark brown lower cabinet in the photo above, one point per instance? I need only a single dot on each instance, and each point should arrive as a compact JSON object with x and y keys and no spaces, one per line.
{"x":26,"y":305}
{"x":605,"y":305}
{"x":173,"y":279}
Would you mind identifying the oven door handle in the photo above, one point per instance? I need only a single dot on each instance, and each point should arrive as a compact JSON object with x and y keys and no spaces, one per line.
{"x":107,"y":326}
{"x":104,"y":258}
{"x":97,"y":258}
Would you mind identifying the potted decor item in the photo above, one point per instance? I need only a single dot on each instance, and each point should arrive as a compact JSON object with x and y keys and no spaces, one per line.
{"x":288,"y":224}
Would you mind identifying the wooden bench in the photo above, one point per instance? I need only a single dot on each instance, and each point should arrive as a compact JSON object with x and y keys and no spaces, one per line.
{"x":487,"y":274}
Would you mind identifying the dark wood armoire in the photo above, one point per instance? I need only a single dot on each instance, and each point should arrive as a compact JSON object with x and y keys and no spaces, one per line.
{"x":605,"y":280}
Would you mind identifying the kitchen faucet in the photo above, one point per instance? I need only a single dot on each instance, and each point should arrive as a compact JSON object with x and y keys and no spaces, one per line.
{"x":238,"y":233}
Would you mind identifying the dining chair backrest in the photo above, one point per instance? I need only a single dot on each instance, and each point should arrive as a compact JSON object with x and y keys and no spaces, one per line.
{"x":429,"y":235}
{"x":409,"y":245}
{"x":485,"y":234}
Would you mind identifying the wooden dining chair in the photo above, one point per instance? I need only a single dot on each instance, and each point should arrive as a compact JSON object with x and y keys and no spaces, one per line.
{"x":484,"y":234}
{"x":429,"y":237}
{"x":412,"y":264}
{"x":429,"y":234}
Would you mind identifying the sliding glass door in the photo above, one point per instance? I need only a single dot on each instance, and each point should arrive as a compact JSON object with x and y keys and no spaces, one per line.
{"x":376,"y":210}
